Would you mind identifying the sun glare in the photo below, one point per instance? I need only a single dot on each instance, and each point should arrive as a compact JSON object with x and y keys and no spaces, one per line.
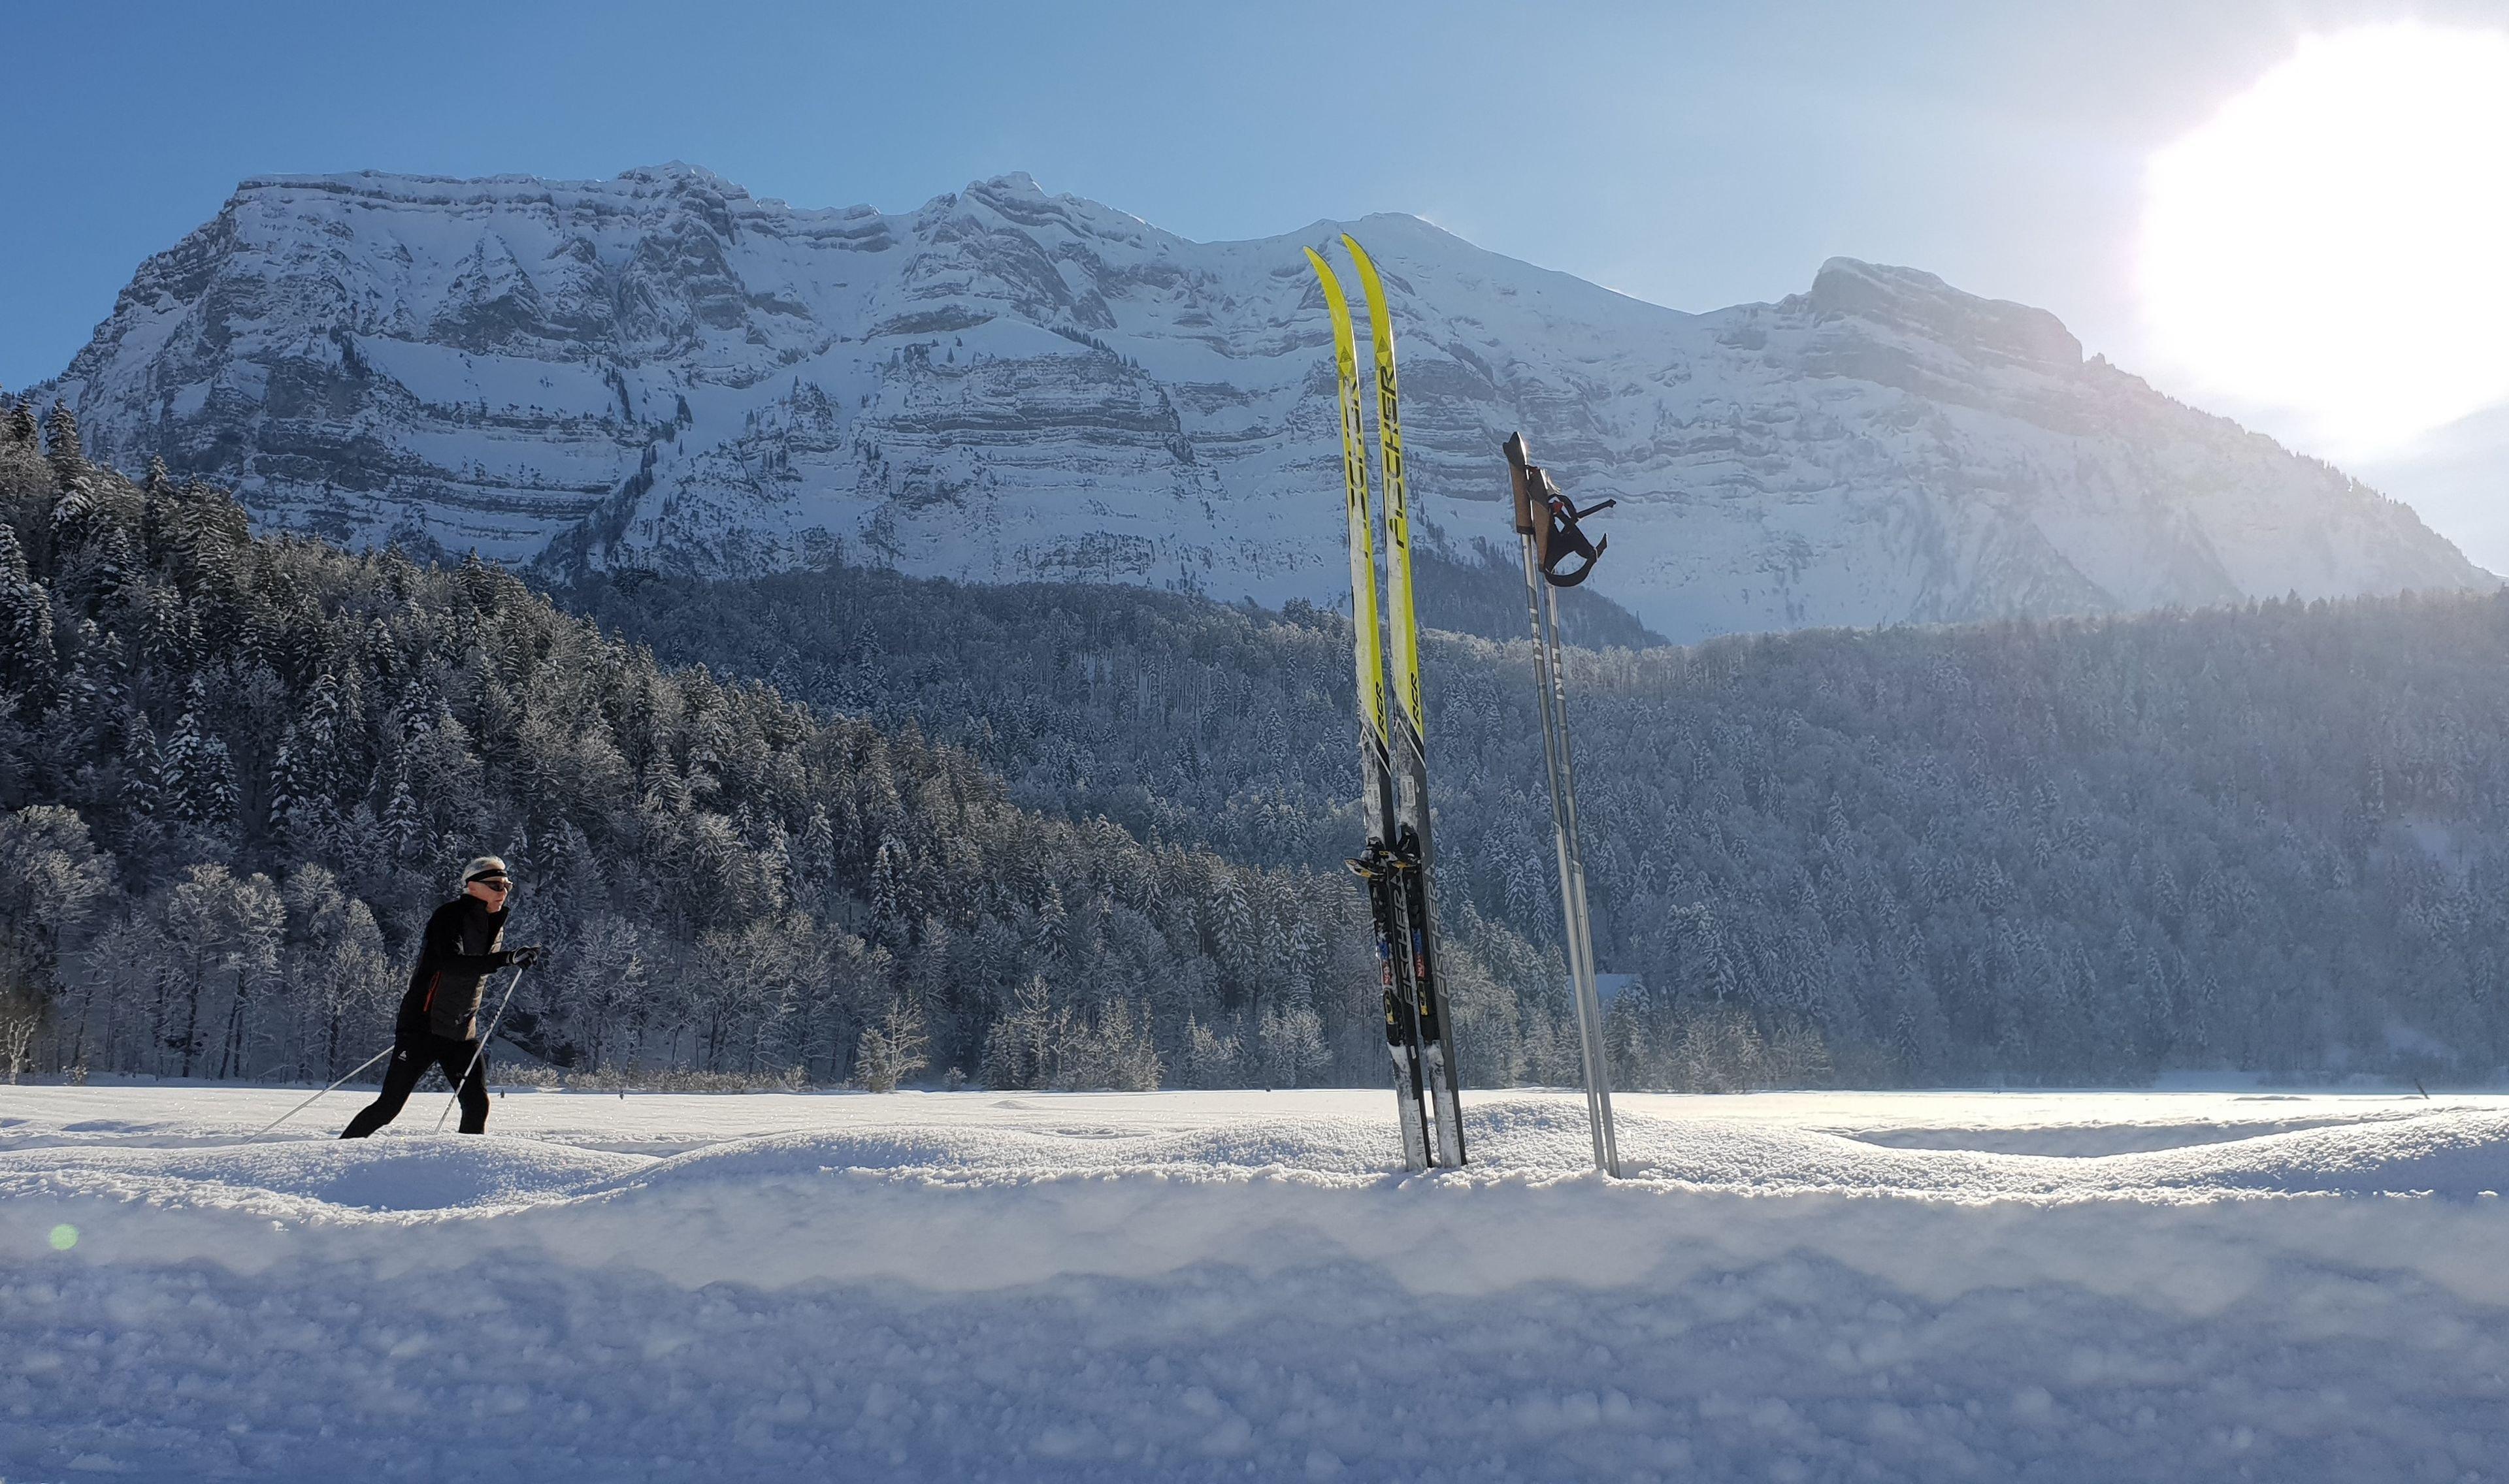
{"x":2336,"y":240}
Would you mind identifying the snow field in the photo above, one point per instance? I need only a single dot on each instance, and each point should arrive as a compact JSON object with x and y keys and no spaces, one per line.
{"x":1235,"y":1285}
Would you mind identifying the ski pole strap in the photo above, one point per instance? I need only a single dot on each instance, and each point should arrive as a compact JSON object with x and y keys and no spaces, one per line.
{"x":308,"y":1102}
{"x":1563,"y":538}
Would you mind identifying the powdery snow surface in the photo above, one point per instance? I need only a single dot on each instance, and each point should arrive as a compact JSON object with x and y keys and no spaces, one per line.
{"x":1240,"y":1286}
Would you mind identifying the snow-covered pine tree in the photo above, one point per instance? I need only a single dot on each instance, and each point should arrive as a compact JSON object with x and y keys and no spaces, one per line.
{"x":26,"y":653}
{"x":200,"y":781}
{"x":62,"y":446}
{"x":1211,"y":1059}
{"x":1232,"y":923}
{"x":293,"y":799}
{"x":307,"y":769}
{"x":75,"y":520}
{"x":404,"y":829}
{"x":156,"y":512}
{"x":889,"y":922}
{"x":90,"y":703}
{"x":814,"y":857}
{"x":143,"y":768}
{"x":1114,"y":1050}
{"x":1292,"y":1039}
{"x":927,"y":963}
{"x":170,"y":640}
{"x":208,"y":538}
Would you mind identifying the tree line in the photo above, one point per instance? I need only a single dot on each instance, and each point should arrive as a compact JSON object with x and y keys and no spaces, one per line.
{"x":2268,"y":837}
{"x":237,"y":772}
{"x":848,"y":826}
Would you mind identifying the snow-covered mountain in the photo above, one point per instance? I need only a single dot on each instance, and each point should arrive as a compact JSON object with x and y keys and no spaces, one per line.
{"x":2458,"y":473}
{"x":663,"y":370}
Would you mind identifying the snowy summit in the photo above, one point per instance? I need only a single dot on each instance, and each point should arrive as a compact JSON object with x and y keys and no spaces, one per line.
{"x":1001,"y":385}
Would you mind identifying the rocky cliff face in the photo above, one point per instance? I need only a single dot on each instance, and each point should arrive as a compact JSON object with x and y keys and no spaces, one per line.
{"x":660,"y":370}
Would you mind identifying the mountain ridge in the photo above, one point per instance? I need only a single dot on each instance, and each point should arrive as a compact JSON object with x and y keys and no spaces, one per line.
{"x":662,"y":370}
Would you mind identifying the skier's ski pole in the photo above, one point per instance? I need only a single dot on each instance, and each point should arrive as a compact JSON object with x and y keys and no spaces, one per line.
{"x":1547,"y":523}
{"x":308,"y":1102}
{"x":484,"y":1038}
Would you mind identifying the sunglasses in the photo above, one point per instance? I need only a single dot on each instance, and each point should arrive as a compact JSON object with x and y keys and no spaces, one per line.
{"x":492,"y":884}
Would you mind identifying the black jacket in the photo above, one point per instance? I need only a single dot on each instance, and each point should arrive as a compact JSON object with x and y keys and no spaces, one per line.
{"x":455,"y":958}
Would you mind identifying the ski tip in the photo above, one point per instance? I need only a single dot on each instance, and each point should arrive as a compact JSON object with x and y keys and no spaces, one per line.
{"x":1359,"y":254}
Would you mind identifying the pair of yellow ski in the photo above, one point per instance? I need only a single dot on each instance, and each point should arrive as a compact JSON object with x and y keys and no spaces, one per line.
{"x":1393,"y":747}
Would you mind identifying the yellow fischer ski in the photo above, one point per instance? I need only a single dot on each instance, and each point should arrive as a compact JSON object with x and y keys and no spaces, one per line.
{"x":1410,"y":731}
{"x":1383,"y":884}
{"x":1398,"y":495}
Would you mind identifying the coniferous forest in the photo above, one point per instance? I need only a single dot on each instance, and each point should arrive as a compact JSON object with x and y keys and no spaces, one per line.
{"x":844,"y":826}
{"x":236,"y":774}
{"x":2268,"y":838}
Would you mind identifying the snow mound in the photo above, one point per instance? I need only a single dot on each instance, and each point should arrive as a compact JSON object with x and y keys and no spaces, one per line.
{"x":450,"y":1173}
{"x":2087,"y":1140}
{"x":1529,"y":1141}
{"x":1323,"y":1148}
{"x":2455,"y":1153}
{"x":1208,"y":1287}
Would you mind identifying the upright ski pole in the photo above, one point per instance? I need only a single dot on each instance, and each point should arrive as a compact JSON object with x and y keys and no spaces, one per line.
{"x":456,"y":1098}
{"x":1547,"y":523}
{"x":310,"y":1102}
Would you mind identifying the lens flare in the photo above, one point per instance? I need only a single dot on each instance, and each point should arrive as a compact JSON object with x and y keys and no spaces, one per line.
{"x":2336,"y":240}
{"x":64,"y":1237}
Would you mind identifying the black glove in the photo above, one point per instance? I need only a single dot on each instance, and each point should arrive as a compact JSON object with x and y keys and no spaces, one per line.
{"x":526,"y":957}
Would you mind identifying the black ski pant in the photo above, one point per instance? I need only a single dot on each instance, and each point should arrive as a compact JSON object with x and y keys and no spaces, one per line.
{"x":412,"y":1055}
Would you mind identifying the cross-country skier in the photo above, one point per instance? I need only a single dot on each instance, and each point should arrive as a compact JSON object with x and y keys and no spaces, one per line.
{"x":439,"y":1017}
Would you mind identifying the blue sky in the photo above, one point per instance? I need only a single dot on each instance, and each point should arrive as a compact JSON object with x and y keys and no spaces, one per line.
{"x":1689,"y":154}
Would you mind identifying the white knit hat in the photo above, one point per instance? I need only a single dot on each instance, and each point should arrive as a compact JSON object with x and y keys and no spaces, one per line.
{"x":483,"y":866}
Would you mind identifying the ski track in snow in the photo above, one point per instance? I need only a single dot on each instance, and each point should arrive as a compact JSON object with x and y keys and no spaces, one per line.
{"x":1240,"y":1286}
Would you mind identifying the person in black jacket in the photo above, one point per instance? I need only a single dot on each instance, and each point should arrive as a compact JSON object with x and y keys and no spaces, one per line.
{"x":439,"y":1017}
